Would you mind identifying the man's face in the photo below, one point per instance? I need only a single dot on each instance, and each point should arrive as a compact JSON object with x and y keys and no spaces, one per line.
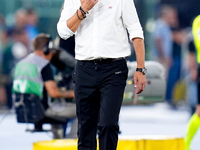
{"x":172,"y":18}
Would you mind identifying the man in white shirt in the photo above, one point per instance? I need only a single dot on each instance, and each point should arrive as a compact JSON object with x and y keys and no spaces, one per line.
{"x":100,"y":28}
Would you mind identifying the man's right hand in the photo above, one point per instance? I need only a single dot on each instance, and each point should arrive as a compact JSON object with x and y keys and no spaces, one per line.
{"x":88,"y":4}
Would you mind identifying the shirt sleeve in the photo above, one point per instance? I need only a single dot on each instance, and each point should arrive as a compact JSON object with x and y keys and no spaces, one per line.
{"x":131,"y":20}
{"x":62,"y":28}
{"x":47,"y":74}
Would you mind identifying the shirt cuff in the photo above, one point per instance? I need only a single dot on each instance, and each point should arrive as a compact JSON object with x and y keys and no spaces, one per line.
{"x":63,"y":30}
{"x":135,"y":31}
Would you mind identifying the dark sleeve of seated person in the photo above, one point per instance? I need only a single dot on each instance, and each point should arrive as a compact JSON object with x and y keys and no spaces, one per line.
{"x":47,"y":75}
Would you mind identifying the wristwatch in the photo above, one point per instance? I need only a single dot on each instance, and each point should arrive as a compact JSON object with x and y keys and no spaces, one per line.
{"x":143,"y":70}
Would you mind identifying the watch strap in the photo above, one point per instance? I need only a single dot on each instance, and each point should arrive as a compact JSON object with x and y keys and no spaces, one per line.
{"x":142,"y":70}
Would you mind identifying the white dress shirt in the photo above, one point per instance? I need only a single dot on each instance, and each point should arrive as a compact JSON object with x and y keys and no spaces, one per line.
{"x":103,"y":33}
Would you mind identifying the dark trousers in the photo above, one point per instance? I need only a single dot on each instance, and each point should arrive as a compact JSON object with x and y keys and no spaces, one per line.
{"x":99,"y":88}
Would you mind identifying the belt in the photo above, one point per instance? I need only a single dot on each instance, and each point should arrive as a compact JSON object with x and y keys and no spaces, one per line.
{"x":103,"y":60}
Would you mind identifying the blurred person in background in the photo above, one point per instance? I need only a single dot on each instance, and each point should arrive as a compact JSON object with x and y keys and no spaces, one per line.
{"x":33,"y":76}
{"x":3,"y":41}
{"x":16,"y":49}
{"x":20,"y":20}
{"x":31,"y":23}
{"x":192,"y":80}
{"x":2,"y":28}
{"x":17,"y":46}
{"x":194,"y":122}
{"x":174,"y":74}
{"x":163,"y":37}
{"x":28,"y":19}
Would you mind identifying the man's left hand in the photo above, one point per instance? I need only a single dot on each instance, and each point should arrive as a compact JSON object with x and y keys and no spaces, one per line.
{"x":139,"y":81}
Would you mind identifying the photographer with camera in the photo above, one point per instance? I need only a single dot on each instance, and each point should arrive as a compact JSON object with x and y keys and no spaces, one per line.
{"x":33,"y":81}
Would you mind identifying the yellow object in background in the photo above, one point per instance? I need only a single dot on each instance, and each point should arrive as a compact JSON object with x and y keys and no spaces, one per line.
{"x":170,"y":144}
{"x":123,"y":144}
{"x":56,"y":145}
{"x":179,"y":93}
